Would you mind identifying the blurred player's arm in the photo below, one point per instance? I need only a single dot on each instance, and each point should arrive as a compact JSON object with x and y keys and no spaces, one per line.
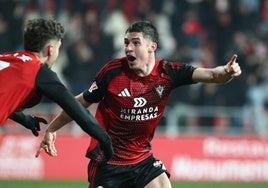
{"x":220,"y":74}
{"x":63,"y":118}
{"x":28,"y":121}
{"x":50,"y":86}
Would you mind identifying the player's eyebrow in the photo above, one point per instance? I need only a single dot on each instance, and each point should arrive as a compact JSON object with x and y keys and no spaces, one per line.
{"x":135,"y":38}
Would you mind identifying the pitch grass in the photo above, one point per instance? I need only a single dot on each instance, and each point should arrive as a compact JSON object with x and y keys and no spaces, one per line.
{"x":83,"y":184}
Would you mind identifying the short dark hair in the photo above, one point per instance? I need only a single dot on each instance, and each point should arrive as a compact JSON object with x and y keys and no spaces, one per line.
{"x":39,"y":31}
{"x":146,"y":28}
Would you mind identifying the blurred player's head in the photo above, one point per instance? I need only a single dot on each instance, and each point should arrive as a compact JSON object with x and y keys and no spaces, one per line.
{"x":141,"y":40}
{"x":43,"y":36}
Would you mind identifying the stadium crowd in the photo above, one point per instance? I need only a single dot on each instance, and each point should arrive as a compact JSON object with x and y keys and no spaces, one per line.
{"x":201,"y":32}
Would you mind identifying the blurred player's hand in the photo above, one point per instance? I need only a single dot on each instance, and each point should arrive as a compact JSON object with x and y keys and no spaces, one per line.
{"x":107,"y":148}
{"x":48,"y":144}
{"x":33,"y":123}
{"x":232,"y":67}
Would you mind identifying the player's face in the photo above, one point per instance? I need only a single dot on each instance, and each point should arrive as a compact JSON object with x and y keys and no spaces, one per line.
{"x":138,"y":50}
{"x":53,"y":52}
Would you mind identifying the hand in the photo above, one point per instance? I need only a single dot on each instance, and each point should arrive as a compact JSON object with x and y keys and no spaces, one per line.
{"x":33,"y":123}
{"x":232,"y":67}
{"x":107,"y":148}
{"x":48,"y":144}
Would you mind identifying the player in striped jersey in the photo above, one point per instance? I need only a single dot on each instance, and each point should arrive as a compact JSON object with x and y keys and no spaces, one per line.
{"x":131,"y":93}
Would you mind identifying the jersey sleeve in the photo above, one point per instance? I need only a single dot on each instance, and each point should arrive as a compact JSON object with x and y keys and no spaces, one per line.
{"x":180,"y":73}
{"x":49,"y":85}
{"x":94,"y":93}
{"x":97,"y":90}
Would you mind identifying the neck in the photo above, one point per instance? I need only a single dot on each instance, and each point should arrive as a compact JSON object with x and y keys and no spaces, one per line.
{"x":146,"y":70}
{"x":41,"y":58}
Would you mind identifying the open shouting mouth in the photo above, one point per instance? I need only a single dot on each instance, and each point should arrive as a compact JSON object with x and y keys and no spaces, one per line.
{"x":131,"y":58}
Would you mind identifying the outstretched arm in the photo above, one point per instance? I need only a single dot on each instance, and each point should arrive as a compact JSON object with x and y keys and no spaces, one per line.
{"x":55,"y":90}
{"x":63,"y":118}
{"x":48,"y":142}
{"x":220,"y":74}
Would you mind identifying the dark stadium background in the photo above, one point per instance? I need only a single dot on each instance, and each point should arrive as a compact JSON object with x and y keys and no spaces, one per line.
{"x":200,"y":32}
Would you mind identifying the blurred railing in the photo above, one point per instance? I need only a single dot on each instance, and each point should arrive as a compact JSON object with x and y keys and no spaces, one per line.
{"x":189,"y":119}
{"x":178,"y":119}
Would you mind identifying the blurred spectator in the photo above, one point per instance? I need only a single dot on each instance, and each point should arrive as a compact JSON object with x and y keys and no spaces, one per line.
{"x":11,"y":20}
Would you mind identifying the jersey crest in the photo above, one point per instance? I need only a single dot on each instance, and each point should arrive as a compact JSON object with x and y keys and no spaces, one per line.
{"x":160,"y":90}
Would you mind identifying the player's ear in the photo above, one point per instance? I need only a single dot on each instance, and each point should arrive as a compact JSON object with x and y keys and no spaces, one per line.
{"x":50,"y":50}
{"x":152,"y":47}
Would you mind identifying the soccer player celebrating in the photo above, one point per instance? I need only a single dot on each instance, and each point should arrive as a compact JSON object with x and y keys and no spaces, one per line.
{"x":132,"y":93}
{"x":25,"y":76}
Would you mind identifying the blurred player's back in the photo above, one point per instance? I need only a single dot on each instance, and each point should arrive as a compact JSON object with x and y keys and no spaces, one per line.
{"x":17,"y":79}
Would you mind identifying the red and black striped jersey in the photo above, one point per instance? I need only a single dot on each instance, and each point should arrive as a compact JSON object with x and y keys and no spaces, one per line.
{"x":130,"y":107}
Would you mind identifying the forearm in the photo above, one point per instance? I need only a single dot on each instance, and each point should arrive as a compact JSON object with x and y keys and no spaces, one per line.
{"x":220,"y":74}
{"x":50,"y":86}
{"x":78,"y":113}
{"x":63,"y":118}
{"x":211,"y":75}
{"x":60,"y":121}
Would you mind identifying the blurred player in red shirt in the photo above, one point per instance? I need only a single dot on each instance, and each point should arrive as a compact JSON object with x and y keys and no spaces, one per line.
{"x":132,"y":93}
{"x":25,"y":76}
